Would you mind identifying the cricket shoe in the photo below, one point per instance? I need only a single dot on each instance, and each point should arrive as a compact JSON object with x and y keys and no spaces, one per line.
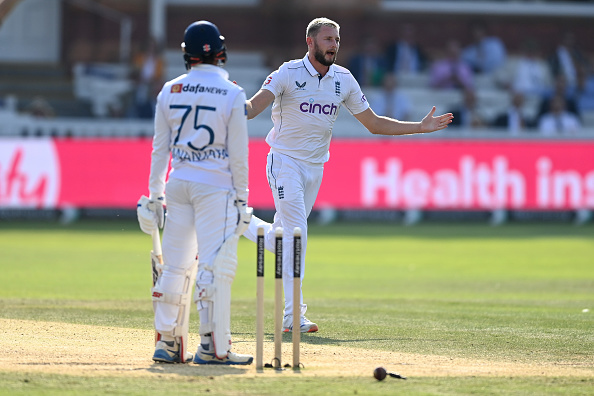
{"x":204,"y":356}
{"x":168,"y":352}
{"x":307,"y":326}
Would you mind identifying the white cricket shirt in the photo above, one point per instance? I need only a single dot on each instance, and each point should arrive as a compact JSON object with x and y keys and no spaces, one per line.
{"x":201,"y":120}
{"x":305,"y":108}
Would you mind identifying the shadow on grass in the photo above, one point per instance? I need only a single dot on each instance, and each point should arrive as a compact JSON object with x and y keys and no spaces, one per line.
{"x":200,"y":370}
{"x":359,"y":229}
{"x":317,"y":339}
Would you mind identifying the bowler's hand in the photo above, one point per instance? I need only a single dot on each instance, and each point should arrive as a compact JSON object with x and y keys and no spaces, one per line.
{"x":430,"y":123}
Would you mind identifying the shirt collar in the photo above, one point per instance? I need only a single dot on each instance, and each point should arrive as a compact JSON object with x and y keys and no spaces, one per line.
{"x":313,"y":71}
{"x":211,"y":69}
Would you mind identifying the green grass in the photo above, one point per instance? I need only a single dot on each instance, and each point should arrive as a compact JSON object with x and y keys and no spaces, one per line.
{"x":514,"y":293}
{"x":44,"y":384}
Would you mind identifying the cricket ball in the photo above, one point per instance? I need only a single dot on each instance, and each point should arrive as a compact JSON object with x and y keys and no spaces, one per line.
{"x":379,"y":373}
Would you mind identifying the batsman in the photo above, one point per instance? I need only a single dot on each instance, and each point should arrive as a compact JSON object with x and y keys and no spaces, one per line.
{"x":201,"y":127}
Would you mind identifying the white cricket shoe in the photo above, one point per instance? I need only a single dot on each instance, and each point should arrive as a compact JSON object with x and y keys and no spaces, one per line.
{"x":204,"y":356}
{"x":307,"y":326}
{"x":168,"y":352}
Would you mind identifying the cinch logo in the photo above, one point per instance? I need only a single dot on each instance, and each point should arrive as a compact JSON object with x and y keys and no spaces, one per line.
{"x":313,"y":108}
{"x":176,"y":88}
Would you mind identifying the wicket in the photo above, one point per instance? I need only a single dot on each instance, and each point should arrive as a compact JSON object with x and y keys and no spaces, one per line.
{"x":278,"y":286}
{"x":296,"y":295}
{"x":260,"y":298}
{"x":278,"y":301}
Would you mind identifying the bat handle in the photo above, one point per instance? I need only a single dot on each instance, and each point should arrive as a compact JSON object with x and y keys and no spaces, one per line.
{"x":157,"y":242}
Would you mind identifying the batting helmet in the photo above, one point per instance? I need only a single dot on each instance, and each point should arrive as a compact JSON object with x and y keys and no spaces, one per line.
{"x":203,"y":43}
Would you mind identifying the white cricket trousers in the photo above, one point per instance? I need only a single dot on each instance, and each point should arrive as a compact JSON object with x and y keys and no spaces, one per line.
{"x":199,"y":219}
{"x":294,"y":185}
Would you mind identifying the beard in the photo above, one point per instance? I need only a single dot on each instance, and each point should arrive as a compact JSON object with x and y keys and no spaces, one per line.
{"x":321,"y":56}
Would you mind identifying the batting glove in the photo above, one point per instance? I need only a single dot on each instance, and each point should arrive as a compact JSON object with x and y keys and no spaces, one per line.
{"x":146,"y":218}
{"x":158,"y":206}
{"x":150,"y":214}
{"x":244,"y":216}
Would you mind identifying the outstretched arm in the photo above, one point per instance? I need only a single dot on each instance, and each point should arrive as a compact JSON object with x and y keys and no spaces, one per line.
{"x":379,"y":125}
{"x":259,"y":102}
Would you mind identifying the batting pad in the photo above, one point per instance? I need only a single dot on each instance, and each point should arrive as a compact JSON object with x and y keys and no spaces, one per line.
{"x":181,"y":300}
{"x":225,"y":265}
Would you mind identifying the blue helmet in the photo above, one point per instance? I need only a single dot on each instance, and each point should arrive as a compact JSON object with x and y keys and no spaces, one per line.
{"x":203,"y":43}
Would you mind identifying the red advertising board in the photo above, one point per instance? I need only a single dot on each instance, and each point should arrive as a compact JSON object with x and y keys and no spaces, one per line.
{"x":460,"y":174}
{"x":375,"y":174}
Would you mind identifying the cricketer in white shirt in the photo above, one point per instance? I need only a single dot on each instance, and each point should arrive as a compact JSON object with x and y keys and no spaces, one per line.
{"x":200,"y":120}
{"x":307,"y":106}
{"x":307,"y":95}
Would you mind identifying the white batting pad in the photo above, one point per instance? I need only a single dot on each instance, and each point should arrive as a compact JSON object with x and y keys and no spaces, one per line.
{"x":182,"y":301}
{"x":225,"y":265}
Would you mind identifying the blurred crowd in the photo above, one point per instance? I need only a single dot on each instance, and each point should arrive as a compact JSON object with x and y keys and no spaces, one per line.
{"x":545,"y":92}
{"x":550,"y":92}
{"x":148,"y":76}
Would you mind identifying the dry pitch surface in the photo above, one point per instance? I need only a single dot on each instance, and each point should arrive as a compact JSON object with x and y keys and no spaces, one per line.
{"x":62,"y":348}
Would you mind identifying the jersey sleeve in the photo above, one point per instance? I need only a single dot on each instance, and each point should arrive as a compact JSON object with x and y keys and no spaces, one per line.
{"x":161,"y":153}
{"x":276,"y":81}
{"x":355,"y":100}
{"x":237,"y":146}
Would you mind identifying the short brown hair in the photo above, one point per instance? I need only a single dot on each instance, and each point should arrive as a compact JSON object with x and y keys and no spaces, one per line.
{"x":315,"y":25}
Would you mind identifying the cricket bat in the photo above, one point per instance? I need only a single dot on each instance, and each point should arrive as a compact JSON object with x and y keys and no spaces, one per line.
{"x":156,"y":265}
